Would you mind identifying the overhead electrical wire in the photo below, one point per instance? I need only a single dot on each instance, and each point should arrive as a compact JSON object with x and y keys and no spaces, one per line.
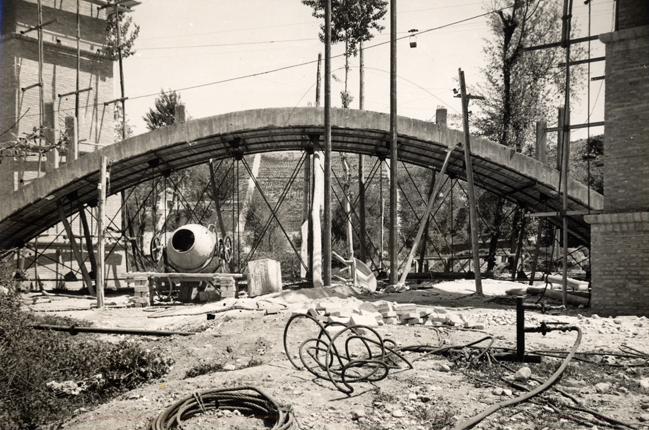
{"x":226,"y":44}
{"x":251,"y":75}
{"x":238,"y":30}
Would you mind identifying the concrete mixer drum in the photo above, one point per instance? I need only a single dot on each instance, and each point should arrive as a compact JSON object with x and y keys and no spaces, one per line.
{"x":192,"y":248}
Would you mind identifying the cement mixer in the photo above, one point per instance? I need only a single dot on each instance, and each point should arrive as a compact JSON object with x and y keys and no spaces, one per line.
{"x":192,"y":248}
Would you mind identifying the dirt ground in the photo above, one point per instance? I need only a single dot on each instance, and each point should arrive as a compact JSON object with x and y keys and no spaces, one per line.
{"x":439,"y":392}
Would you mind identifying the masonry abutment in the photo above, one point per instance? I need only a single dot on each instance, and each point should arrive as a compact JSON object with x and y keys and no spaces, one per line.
{"x":620,"y":235}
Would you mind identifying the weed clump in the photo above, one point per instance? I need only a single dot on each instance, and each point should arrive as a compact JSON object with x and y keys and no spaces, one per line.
{"x":45,"y":376}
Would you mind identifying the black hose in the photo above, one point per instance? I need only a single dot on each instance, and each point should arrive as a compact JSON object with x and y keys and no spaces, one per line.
{"x":476,"y":419}
{"x":249,"y":401}
{"x":73,"y":330}
{"x":326,"y":359}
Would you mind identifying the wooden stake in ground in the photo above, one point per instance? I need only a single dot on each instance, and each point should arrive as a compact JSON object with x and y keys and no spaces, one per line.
{"x":470,"y":188}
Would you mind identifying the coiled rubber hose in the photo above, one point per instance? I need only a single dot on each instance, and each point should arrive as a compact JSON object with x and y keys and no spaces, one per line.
{"x":250,"y":401}
{"x":476,"y":419}
{"x":359,"y":355}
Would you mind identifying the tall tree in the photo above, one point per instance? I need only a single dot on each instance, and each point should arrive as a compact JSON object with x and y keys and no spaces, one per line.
{"x":352,"y":22}
{"x":164,"y":111}
{"x":521,"y":87}
{"x":129,"y":31}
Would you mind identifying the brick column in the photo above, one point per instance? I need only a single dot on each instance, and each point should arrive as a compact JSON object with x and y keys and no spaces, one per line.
{"x":620,"y":235}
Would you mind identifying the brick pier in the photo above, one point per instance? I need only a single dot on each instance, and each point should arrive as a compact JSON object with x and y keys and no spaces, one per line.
{"x":620,"y":235}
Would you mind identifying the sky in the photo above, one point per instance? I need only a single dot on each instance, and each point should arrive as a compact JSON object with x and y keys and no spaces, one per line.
{"x":221,"y":56}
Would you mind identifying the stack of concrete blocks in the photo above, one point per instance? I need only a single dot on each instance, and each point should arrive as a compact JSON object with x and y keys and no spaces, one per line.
{"x":227,"y":286}
{"x":141,"y":296}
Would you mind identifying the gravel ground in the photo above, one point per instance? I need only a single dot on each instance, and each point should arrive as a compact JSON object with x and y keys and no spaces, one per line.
{"x":244,"y":341}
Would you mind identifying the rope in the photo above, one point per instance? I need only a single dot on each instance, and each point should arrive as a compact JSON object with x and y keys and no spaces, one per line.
{"x":250,"y":401}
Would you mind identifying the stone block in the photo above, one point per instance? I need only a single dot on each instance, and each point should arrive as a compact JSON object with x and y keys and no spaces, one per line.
{"x":385,"y":306}
{"x":405,"y":308}
{"x":342,"y":313}
{"x":365,"y":320}
{"x":389,"y":314}
{"x":409,"y":315}
{"x":264,"y":277}
{"x":368,"y":307}
{"x":337,"y":320}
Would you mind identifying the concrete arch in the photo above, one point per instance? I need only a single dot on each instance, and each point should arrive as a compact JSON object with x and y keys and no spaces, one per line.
{"x":32,"y":209}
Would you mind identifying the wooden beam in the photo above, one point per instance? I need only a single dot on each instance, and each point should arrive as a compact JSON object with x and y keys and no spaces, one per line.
{"x":86,"y":233}
{"x":576,"y":126}
{"x":101,"y":208}
{"x":75,"y":248}
{"x":585,"y":61}
{"x":75,"y":92}
{"x":305,"y":268}
{"x":557,"y":44}
{"x":473,"y":216}
{"x":40,"y":26}
{"x":559,"y":213}
{"x":217,"y":203}
{"x":423,"y":223}
{"x":317,"y":201}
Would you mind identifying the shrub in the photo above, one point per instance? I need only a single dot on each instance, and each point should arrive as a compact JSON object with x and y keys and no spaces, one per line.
{"x":45,"y":376}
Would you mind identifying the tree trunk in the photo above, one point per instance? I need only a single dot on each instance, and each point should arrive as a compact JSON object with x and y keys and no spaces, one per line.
{"x":495,"y":234}
{"x":424,"y":242}
{"x":516,"y":228}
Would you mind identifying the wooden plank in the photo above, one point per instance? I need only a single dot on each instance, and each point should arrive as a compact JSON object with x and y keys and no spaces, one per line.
{"x":75,"y":248}
{"x":182,"y":276}
{"x":101,"y":217}
{"x":423,"y":223}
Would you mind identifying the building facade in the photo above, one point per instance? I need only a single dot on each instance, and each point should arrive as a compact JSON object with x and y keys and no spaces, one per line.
{"x":38,"y":107}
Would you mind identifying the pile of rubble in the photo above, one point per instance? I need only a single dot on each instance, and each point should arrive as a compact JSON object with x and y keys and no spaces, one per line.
{"x":353,"y":311}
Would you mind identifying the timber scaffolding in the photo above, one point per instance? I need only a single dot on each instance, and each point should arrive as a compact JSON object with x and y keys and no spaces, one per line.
{"x":314,"y":198}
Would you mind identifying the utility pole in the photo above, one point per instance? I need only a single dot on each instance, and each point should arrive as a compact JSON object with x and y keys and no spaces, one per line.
{"x":394,"y":254}
{"x":326,"y":246}
{"x":473,"y":216}
{"x":565,"y":39}
{"x":361,"y":163}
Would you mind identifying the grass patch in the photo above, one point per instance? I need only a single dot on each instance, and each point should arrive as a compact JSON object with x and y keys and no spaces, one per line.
{"x":204,"y":369}
{"x":45,"y":375}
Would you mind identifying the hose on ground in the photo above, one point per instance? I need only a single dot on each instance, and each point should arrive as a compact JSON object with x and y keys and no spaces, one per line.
{"x":429,"y":350}
{"x":249,"y":401}
{"x":344,"y":354}
{"x":476,"y":419}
